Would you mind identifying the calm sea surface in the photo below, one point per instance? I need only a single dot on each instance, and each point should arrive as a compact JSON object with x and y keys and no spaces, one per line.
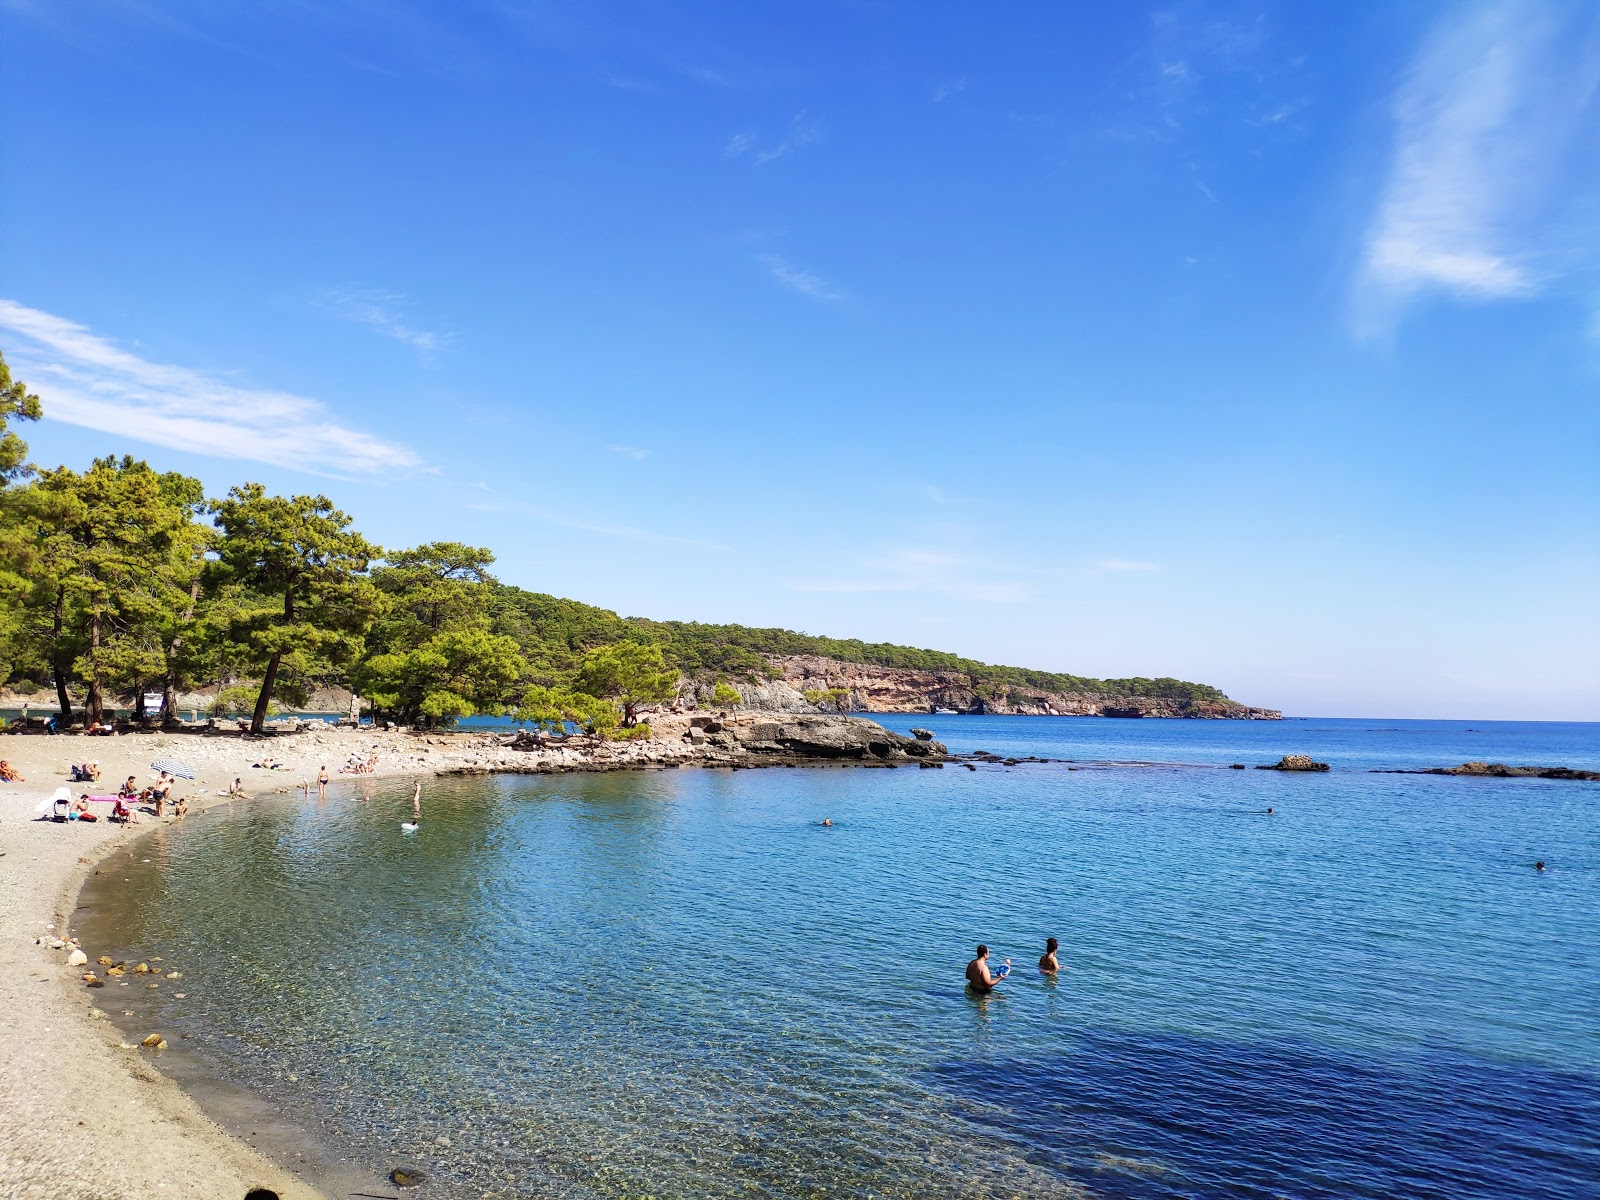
{"x":677,"y":984}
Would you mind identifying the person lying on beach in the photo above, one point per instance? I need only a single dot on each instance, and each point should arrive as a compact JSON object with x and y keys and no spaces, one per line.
{"x":979,"y":978}
{"x":8,"y":774}
{"x":1048,"y":963}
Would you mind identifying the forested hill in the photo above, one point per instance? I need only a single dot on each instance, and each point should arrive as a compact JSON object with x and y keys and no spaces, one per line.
{"x":554,"y":634}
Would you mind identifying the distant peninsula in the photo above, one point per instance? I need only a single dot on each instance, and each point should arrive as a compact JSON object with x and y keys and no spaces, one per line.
{"x":778,"y":670}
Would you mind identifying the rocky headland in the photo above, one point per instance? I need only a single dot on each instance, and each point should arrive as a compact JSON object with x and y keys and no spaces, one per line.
{"x":871,"y":689}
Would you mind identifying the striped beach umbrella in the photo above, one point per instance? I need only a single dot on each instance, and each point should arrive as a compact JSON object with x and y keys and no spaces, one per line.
{"x":173,"y":767}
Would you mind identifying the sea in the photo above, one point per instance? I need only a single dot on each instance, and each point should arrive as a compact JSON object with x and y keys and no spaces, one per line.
{"x":679,"y":984}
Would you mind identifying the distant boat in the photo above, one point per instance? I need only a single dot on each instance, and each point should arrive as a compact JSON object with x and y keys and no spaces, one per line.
{"x":943,"y":712}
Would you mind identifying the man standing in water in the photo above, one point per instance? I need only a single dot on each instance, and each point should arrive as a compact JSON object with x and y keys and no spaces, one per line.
{"x":416,"y":803}
{"x":979,"y":978}
{"x":1048,"y":962}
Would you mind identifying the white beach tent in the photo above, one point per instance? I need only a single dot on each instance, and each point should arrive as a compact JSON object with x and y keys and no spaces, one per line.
{"x":62,"y":794}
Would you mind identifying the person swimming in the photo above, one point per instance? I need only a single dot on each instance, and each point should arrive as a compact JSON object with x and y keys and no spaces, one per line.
{"x":980,"y":979}
{"x":1048,"y":963}
{"x":1539,"y":866}
{"x":825,"y":821}
{"x":1270,"y":813}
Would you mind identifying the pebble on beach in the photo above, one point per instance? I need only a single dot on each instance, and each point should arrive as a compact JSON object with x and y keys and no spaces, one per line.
{"x":77,"y":958}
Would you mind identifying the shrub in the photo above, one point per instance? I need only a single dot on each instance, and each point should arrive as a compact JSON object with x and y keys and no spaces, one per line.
{"x":725,"y":693}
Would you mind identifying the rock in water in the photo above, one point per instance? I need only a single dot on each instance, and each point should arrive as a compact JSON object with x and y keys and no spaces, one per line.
{"x":94,"y":981}
{"x":407,"y":1176}
{"x":922,"y":735}
{"x":142,"y":969}
{"x":105,"y":960}
{"x":77,"y":958}
{"x":1295,"y":762}
{"x":153,"y":1041}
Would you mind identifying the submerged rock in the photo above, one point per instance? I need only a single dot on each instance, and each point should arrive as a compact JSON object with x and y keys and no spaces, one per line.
{"x":407,"y":1176}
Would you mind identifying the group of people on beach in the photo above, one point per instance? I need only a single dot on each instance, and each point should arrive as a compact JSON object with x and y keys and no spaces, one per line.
{"x":8,"y":773}
{"x":356,"y":765}
{"x":982,"y":980}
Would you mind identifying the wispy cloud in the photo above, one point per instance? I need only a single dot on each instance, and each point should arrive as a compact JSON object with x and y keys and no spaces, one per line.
{"x":87,"y":380}
{"x":383,"y":311}
{"x":632,"y":452}
{"x":1486,"y":122}
{"x":802,"y":131}
{"x":798,"y":280}
{"x":935,"y":572}
{"x":853,"y":586}
{"x":945,"y":90}
{"x":628,"y":533}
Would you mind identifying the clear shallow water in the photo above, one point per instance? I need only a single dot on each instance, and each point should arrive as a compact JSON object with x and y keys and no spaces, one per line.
{"x":676,"y":984}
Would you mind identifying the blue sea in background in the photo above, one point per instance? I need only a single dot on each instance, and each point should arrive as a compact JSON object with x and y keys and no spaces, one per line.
{"x":677,"y":984}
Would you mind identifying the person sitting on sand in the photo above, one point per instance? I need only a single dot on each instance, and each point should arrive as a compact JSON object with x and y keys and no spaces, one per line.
{"x":129,"y":789}
{"x":80,"y":806}
{"x":236,"y":788}
{"x":1048,"y":963}
{"x":8,"y":774}
{"x":979,"y":978}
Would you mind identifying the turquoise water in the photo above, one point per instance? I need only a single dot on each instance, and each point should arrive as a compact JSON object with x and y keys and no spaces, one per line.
{"x":677,"y":984}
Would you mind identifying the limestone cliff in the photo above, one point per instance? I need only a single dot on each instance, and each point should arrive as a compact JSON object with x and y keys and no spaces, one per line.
{"x":903,"y":689}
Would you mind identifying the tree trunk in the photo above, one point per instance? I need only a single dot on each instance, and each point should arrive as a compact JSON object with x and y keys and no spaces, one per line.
{"x":270,"y":679}
{"x":138,"y":700}
{"x":58,"y":666}
{"x":169,"y":684}
{"x":92,"y":703}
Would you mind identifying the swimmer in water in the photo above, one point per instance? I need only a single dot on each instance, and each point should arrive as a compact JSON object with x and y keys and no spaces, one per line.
{"x":1048,"y":963}
{"x":825,"y":821}
{"x":1539,"y":866}
{"x":979,"y":978}
{"x":1269,"y":812}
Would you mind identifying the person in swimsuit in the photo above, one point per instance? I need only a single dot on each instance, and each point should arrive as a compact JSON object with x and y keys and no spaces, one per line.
{"x":1048,"y":963}
{"x":979,"y":977}
{"x":322,"y":784}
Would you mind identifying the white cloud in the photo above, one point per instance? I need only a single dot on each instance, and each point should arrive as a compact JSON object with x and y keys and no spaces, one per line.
{"x":1485,"y":125}
{"x":798,"y":280}
{"x":382,"y":311}
{"x":86,"y":380}
{"x":802,"y":132}
{"x":632,"y":452}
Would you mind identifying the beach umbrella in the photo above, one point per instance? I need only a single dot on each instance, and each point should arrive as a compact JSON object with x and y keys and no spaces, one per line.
{"x":173,"y":767}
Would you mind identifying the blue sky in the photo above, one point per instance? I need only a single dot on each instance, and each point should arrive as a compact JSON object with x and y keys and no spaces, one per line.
{"x":1250,"y":343}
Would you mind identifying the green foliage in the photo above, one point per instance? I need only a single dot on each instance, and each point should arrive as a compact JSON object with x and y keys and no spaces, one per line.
{"x":725,"y":694}
{"x":303,"y":599}
{"x":16,"y":402}
{"x":115,"y":552}
{"x":551,"y":708}
{"x":236,"y":702}
{"x":629,"y":673}
{"x":432,"y":655}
